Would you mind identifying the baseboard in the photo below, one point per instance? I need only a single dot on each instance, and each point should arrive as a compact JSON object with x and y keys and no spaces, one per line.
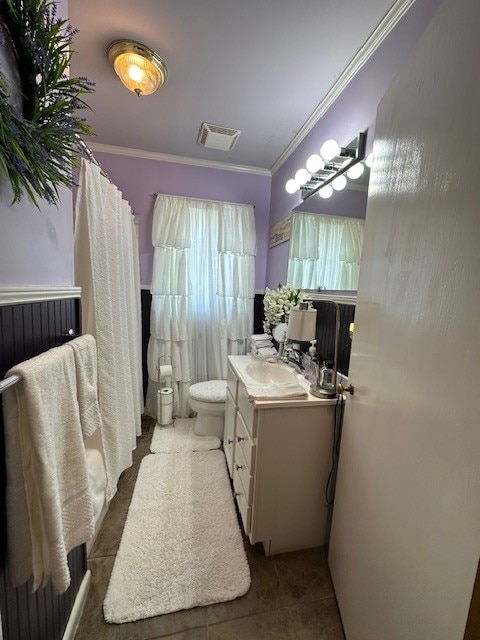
{"x":78,"y":606}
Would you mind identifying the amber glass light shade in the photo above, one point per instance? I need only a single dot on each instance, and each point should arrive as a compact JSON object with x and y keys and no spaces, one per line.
{"x":139,"y":68}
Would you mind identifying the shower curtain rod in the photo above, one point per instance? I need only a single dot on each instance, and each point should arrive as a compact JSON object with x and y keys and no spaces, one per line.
{"x":89,"y":153}
{"x":205,"y":199}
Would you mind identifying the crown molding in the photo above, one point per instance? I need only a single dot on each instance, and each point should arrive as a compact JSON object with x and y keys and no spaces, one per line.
{"x":35,"y":293}
{"x":363,"y":54}
{"x":165,"y":157}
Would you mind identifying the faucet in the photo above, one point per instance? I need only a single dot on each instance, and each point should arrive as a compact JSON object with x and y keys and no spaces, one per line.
{"x":295,"y":357}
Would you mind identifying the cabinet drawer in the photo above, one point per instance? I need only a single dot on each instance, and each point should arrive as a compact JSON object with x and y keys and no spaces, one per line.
{"x":247,"y":410}
{"x":241,"y":469}
{"x":244,"y":441}
{"x":244,"y":508}
{"x":232,"y":382}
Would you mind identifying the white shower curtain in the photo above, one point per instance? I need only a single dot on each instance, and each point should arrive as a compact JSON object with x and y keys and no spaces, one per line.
{"x":107,"y":269}
{"x":325,"y":251}
{"x":202,"y":290}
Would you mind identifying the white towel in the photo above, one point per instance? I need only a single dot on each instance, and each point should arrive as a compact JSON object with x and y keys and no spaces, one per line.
{"x":260,"y":336}
{"x":85,"y":354}
{"x":49,"y":509}
{"x":267,"y":391}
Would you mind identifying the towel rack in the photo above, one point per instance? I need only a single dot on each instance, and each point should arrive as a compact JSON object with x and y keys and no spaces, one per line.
{"x":9,"y":382}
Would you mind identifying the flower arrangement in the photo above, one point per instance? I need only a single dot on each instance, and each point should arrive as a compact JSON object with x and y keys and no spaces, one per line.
{"x":38,"y":140}
{"x":277,"y":304}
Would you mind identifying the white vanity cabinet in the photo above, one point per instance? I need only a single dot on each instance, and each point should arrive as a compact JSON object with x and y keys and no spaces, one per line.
{"x":279,"y":457}
{"x":229,"y":430}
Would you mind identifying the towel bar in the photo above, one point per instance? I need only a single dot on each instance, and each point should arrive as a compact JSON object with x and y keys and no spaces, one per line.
{"x":9,"y":382}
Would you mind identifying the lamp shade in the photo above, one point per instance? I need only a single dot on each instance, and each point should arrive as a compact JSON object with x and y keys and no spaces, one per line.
{"x":139,"y":68}
{"x":302,"y":324}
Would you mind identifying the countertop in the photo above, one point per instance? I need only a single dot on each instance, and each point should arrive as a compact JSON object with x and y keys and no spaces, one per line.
{"x":239,"y":365}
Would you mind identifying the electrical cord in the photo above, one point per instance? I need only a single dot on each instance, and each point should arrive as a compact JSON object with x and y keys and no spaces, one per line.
{"x":337,"y":434}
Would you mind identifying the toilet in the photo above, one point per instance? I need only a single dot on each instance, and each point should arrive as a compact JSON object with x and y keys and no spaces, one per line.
{"x":208,"y":400}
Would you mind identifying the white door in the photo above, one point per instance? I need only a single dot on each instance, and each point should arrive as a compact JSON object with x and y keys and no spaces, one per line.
{"x":405,"y":539}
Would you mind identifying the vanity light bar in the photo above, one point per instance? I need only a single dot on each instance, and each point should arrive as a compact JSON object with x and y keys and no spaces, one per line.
{"x":334,"y":167}
{"x":355,"y":153}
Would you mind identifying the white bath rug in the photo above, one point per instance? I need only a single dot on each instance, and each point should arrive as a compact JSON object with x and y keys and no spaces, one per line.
{"x":180,"y":438}
{"x":181,"y":546}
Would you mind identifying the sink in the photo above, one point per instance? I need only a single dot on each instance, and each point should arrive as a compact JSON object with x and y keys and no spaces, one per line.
{"x":269,"y":373}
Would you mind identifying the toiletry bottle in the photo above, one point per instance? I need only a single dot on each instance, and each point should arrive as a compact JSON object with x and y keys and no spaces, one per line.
{"x":327,"y":375}
{"x":309,"y":362}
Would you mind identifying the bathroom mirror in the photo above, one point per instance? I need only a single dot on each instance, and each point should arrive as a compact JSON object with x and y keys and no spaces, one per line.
{"x":326,"y":239}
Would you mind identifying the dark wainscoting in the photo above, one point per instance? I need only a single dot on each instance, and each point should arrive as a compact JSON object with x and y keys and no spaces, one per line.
{"x":27,"y":330}
{"x":146,"y":302}
{"x":258,"y":314}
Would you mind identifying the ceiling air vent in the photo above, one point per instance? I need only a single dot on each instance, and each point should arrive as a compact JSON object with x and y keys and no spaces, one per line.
{"x":215,"y":137}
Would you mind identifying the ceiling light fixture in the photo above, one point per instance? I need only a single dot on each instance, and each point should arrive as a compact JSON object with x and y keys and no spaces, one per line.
{"x":139,"y":68}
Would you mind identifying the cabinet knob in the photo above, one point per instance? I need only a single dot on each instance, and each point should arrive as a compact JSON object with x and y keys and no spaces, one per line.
{"x":229,"y":441}
{"x":238,"y":467}
{"x":236,"y":494}
{"x":239,"y":439}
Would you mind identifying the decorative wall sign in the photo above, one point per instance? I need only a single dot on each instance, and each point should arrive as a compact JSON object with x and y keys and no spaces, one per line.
{"x":280,"y":231}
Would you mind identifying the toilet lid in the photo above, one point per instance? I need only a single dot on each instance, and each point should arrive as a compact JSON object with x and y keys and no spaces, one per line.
{"x":209,"y":391}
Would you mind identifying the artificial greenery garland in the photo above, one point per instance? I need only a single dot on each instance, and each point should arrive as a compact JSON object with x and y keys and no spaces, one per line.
{"x":38,"y":144}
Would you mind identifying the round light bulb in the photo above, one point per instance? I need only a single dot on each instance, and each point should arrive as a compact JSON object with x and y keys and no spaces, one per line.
{"x":292,"y":186}
{"x":302,"y":176}
{"x":369,"y":160}
{"x":315,"y":163}
{"x":330,"y":149}
{"x":135,"y":73}
{"x":326,"y":191}
{"x":355,"y":171}
{"x":339,"y":183}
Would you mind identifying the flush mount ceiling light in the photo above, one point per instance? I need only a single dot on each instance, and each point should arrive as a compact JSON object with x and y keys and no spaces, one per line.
{"x":139,"y":68}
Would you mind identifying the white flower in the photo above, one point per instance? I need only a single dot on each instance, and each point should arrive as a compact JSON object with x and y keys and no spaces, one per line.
{"x":277,"y":304}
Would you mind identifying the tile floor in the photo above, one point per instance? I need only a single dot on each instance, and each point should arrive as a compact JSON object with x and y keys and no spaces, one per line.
{"x":291,"y":596}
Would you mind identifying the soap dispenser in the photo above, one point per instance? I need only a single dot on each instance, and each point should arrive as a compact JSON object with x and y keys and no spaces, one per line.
{"x":309,"y":370}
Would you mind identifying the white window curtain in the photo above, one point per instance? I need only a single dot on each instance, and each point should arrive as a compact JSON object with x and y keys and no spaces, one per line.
{"x":202,"y":291}
{"x":325,"y":251}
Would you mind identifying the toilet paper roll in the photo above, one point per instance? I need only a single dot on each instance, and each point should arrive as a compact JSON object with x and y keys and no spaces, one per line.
{"x":165,"y":371}
{"x":165,"y":406}
{"x":166,"y":395}
{"x":166,"y":416}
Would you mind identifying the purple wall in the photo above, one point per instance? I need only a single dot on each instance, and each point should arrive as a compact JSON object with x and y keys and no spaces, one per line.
{"x":36,"y":246}
{"x":353,"y":111}
{"x":139,"y":179}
